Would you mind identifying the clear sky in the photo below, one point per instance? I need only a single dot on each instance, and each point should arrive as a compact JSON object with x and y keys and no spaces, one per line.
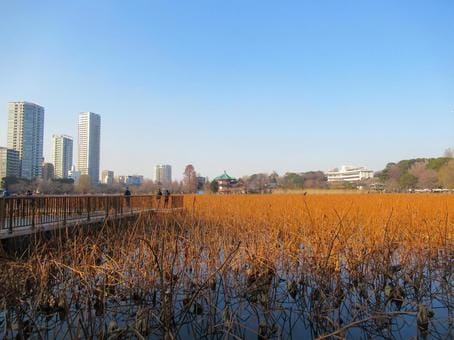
{"x":243,"y":86}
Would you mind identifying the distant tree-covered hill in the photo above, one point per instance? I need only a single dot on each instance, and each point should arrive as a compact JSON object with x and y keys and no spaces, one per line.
{"x":419,"y":173}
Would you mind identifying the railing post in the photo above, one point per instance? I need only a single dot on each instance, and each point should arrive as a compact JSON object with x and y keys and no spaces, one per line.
{"x":2,"y":213}
{"x":32,"y":202}
{"x":11,"y":212}
{"x":65,"y":213}
{"x":88,"y":208}
{"x":121,"y":205}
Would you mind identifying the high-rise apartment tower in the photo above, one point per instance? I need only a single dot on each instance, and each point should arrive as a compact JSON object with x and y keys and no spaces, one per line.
{"x":163,"y":174}
{"x":62,"y":155}
{"x":25,"y":135}
{"x":89,"y":140}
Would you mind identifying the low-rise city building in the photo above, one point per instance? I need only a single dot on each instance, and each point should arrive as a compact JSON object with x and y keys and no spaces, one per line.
{"x":349,"y":174}
{"x":130,"y":180}
{"x":9,"y":163}
{"x":201,"y":181}
{"x":107,"y":177}
{"x":74,"y":174}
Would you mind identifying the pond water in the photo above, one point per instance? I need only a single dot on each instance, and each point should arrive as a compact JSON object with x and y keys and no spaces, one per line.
{"x":269,"y":301}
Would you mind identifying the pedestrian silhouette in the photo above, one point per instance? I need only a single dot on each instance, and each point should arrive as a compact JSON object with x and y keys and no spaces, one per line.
{"x":158,"y":197}
{"x":166,"y":198}
{"x":128,"y":197}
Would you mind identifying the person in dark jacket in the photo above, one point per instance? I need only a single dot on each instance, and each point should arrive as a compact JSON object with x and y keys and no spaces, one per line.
{"x":128,"y":197}
{"x":158,"y":197}
{"x":166,"y":198}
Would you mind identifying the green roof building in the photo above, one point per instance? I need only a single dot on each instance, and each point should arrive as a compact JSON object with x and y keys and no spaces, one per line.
{"x":228,"y":184}
{"x":224,"y":177}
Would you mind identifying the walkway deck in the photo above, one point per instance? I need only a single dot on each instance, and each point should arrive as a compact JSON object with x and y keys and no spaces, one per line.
{"x":21,"y":216}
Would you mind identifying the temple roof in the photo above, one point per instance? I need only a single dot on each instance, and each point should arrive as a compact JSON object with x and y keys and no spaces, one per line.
{"x":224,"y":176}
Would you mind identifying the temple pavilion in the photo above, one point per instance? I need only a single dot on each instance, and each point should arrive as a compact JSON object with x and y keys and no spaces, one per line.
{"x":229,"y":185}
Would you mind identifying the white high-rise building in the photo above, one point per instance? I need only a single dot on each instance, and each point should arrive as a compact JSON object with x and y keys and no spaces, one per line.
{"x":163,"y":173}
{"x":25,"y":135}
{"x":62,"y":155}
{"x":89,"y":145}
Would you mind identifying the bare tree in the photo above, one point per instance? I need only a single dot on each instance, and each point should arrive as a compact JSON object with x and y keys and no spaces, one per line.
{"x":147,"y":187}
{"x":176,"y":186}
{"x":315,"y":179}
{"x":446,"y":175}
{"x":56,"y":186}
{"x":84,"y":184}
{"x":449,"y":153}
{"x":427,"y":178}
{"x":22,"y":185}
{"x":394,"y":172}
{"x":190,"y":179}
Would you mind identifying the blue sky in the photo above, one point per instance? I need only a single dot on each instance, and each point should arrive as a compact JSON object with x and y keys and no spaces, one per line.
{"x":243,"y":86}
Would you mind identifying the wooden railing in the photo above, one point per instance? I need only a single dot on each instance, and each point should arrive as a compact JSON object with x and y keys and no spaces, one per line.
{"x":33,"y":211}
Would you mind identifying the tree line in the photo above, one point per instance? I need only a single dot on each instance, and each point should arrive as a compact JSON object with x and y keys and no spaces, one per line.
{"x":418,"y":173}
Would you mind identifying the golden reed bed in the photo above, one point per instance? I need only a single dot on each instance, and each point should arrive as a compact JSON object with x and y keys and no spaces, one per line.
{"x":332,"y":224}
{"x":274,"y":266}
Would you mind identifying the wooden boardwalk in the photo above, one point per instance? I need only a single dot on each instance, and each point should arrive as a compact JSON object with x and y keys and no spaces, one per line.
{"x":25,"y":215}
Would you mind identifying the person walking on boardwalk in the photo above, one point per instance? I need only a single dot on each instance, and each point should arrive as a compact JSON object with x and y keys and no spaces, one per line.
{"x":158,"y":197}
{"x":166,"y":198}
{"x":128,"y":197}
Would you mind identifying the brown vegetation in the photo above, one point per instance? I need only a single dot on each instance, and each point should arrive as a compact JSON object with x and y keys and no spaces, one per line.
{"x":311,"y":266}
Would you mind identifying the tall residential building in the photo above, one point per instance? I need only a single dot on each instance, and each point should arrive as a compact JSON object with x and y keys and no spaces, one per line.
{"x":163,"y":174}
{"x":62,"y":155}
{"x":107,"y":177}
{"x":89,"y":145}
{"x":25,"y":135}
{"x":9,"y":163}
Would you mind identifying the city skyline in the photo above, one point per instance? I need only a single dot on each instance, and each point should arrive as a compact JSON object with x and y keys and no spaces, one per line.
{"x":243,"y":87}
